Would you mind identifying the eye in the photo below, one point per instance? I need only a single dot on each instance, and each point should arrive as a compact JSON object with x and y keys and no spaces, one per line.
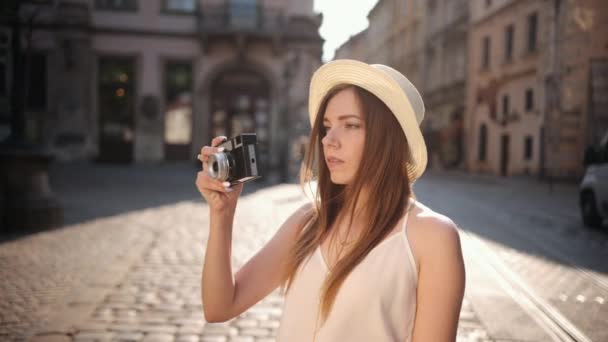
{"x":352,"y":126}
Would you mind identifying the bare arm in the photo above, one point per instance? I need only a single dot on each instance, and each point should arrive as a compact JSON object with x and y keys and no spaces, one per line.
{"x":225,"y":297}
{"x":217,"y":282}
{"x":441,"y":283}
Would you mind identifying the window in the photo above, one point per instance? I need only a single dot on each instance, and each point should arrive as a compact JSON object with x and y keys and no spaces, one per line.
{"x":178,"y":102}
{"x":505,"y":106}
{"x":532,"y":31}
{"x":528,"y":148}
{"x":485,"y":57}
{"x":483,"y":140}
{"x":529,"y":105}
{"x":179,"y":6}
{"x":116,"y":5}
{"x":36,"y":86}
{"x":509,"y":43}
{"x":244,"y":13}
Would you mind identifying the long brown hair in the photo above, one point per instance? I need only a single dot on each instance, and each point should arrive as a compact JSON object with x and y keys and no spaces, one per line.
{"x":382,"y":172}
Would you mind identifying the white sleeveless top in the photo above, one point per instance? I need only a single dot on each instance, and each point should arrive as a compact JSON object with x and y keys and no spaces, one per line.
{"x":377,"y":301}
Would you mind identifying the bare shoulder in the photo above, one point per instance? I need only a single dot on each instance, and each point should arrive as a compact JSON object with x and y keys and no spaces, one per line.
{"x":299,"y":217}
{"x":305,"y":211}
{"x":431,"y":232}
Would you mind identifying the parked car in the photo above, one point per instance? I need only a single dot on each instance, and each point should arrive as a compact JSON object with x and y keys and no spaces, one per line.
{"x":593,"y":200}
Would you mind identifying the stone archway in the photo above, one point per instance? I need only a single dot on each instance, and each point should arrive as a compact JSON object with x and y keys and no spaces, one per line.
{"x":240,"y":102}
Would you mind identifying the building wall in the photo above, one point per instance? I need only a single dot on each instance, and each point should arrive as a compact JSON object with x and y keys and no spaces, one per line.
{"x":149,"y":16}
{"x":150,"y":54}
{"x":409,"y":41}
{"x":354,"y":48}
{"x":378,"y":34}
{"x":445,"y":75}
{"x":576,"y":67}
{"x":152,"y":37}
{"x":487,"y":87}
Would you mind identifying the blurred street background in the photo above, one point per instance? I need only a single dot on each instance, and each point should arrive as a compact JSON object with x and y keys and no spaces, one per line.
{"x":104,"y":105}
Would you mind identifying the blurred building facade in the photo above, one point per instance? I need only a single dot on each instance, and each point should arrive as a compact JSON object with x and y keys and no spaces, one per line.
{"x":445,"y":74}
{"x":576,"y":84}
{"x":510,"y":86}
{"x":505,"y":86}
{"x":536,"y":80}
{"x":395,"y":36}
{"x":148,"y":81}
{"x":354,"y":48}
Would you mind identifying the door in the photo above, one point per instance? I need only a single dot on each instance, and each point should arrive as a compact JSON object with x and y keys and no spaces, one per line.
{"x":504,"y":155}
{"x":116,"y":103}
{"x":178,"y":110}
{"x":602,"y":177}
{"x":241,"y":104}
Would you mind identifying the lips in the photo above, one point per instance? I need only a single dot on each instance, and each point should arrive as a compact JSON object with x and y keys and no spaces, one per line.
{"x":332,"y":161}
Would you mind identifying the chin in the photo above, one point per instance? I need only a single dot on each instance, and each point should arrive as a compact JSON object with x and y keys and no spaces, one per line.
{"x":339,"y":180}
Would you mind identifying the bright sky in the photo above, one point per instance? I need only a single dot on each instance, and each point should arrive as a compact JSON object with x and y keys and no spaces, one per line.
{"x":341,"y":19}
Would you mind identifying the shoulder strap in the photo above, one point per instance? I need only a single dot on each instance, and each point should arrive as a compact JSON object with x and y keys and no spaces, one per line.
{"x":410,"y":206}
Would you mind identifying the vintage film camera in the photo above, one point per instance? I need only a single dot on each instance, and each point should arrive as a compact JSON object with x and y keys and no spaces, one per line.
{"x":238,"y":163}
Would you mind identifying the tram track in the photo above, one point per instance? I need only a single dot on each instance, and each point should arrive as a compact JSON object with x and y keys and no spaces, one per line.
{"x":549,"y":318}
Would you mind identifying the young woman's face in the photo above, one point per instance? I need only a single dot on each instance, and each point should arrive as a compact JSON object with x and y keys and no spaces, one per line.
{"x":344,"y":136}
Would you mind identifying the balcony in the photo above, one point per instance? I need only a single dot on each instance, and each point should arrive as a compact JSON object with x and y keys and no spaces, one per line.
{"x":249,"y":19}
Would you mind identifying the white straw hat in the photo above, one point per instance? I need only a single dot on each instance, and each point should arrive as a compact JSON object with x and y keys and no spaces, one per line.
{"x":390,"y":86}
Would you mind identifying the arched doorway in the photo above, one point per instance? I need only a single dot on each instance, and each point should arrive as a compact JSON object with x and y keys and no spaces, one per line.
{"x":240,"y":103}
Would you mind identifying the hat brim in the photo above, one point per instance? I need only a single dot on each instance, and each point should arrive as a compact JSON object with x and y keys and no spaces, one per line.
{"x":385,"y":88}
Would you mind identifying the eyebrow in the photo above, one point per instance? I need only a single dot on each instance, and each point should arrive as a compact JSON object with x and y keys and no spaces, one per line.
{"x":342,"y":117}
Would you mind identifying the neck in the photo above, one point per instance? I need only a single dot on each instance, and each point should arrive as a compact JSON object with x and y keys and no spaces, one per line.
{"x":360,"y":209}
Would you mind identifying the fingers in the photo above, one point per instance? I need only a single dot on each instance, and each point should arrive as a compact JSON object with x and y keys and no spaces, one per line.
{"x":204,"y":182}
{"x":218,"y":140}
{"x":208,"y":150}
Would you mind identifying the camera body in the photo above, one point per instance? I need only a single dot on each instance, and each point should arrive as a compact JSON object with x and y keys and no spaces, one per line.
{"x":238,"y":163}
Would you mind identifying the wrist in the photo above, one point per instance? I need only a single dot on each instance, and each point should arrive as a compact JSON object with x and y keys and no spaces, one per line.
{"x":222,"y":213}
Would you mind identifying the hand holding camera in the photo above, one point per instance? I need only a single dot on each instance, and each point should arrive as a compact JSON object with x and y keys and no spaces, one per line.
{"x":227,"y":164}
{"x":218,"y":194}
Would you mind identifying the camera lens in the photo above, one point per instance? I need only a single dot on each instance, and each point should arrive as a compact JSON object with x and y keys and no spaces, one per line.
{"x":220,"y":166}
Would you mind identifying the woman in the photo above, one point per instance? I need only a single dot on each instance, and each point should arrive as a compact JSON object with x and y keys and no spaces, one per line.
{"x":366,"y":261}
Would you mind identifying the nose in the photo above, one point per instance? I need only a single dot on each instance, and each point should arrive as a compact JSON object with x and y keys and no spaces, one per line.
{"x":330,"y":139}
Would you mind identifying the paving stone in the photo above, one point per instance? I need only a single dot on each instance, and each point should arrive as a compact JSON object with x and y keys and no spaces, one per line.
{"x":242,"y":339}
{"x":93,"y":336}
{"x":158,"y":337}
{"x":191,"y":329}
{"x":128,"y":337}
{"x":187,"y":338}
{"x":215,"y":338}
{"x":161,"y":329}
{"x":256,"y":332}
{"x":51,"y":338}
{"x":246,"y":323}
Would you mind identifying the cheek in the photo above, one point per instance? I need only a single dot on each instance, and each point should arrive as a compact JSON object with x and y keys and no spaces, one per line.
{"x":358,"y":146}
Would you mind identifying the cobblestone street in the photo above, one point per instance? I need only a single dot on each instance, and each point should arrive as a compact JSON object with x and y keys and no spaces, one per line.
{"x":127,"y":265}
